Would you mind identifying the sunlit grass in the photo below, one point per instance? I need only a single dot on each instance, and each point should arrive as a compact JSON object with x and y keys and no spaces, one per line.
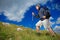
{"x":10,"y":33}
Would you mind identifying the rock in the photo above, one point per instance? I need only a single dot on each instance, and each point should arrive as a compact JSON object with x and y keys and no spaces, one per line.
{"x":5,"y":24}
{"x":19,"y":29}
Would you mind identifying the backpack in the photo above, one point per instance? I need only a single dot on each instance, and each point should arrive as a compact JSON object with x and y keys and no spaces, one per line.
{"x":47,"y":12}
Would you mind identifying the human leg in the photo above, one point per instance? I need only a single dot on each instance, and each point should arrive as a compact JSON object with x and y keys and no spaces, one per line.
{"x":38,"y":25}
{"x":46,"y":24}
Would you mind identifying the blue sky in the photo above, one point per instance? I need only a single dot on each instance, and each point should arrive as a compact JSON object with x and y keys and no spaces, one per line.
{"x":19,"y":12}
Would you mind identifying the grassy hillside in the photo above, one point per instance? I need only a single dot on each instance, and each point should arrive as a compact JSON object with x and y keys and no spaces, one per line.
{"x":10,"y":32}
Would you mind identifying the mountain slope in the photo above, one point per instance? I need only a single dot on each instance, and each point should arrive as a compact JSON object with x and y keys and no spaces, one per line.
{"x":13,"y":32}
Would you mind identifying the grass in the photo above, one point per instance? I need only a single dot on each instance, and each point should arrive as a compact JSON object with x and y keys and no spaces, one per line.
{"x":9,"y":32}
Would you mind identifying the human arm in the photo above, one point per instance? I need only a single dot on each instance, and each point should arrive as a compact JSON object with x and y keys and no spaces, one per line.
{"x":37,"y":16}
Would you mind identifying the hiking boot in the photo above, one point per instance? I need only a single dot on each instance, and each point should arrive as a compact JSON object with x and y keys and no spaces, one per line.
{"x":47,"y":34}
{"x":38,"y":33}
{"x":53,"y":35}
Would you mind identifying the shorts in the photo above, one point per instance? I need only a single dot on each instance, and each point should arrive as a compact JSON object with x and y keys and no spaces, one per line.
{"x":45,"y":23}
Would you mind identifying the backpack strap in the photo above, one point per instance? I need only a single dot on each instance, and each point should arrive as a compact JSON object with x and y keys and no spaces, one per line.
{"x":47,"y":12}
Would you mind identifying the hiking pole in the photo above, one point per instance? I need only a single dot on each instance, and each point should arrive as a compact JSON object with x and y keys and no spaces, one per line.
{"x":32,"y":17}
{"x":32,"y":20}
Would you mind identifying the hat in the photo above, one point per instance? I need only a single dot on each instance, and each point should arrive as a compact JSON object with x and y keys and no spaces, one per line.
{"x":38,"y":5}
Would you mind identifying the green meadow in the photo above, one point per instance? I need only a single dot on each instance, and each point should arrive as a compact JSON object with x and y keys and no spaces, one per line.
{"x":10,"y":32}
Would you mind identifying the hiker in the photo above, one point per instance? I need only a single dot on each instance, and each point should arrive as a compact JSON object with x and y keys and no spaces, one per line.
{"x":44,"y":15}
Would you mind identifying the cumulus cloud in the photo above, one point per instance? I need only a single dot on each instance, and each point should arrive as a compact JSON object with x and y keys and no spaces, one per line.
{"x":0,"y":13}
{"x":54,"y":6}
{"x":51,"y":0}
{"x":57,"y":29}
{"x":58,"y":21}
{"x":51,"y":18}
{"x":57,"y":6}
{"x":51,"y":23}
{"x":15,"y":9}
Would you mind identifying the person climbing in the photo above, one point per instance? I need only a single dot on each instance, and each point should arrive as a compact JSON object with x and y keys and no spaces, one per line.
{"x":44,"y":15}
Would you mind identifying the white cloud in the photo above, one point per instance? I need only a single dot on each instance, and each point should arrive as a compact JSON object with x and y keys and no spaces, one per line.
{"x":54,"y":6}
{"x":15,"y":9}
{"x":57,"y":29}
{"x":51,"y":18}
{"x":57,"y":7}
{"x":51,"y":23}
{"x":51,"y":0}
{"x":0,"y":13}
{"x":58,"y":21}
